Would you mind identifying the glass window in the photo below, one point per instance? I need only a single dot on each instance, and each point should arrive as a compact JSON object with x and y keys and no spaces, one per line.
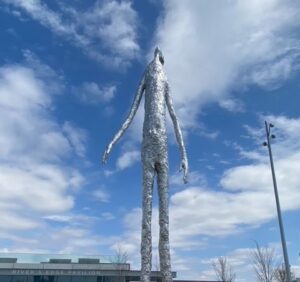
{"x":36,"y":278}
{"x":19,"y":278}
{"x":111,"y":279}
{"x":47,"y":278}
{"x":91,"y":279}
{"x":78,"y":279}
{"x":5,"y":278}
{"x":30,"y":278}
{"x":40,"y":278}
{"x":106,"y":279}
{"x":62,"y":279}
{"x":117,"y":279}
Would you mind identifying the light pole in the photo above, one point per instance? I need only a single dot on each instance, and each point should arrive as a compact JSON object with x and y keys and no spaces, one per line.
{"x":283,"y":242}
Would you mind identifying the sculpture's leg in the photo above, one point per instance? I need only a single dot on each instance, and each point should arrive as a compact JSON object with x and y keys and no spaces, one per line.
{"x":164,"y":247}
{"x":146,"y":245}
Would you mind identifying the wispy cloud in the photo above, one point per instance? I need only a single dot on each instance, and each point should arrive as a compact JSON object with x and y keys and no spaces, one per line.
{"x":77,"y":138}
{"x":200,"y":211}
{"x":34,"y":178}
{"x":92,"y":93}
{"x":224,"y":46}
{"x":232,"y":105}
{"x":127,"y":159}
{"x":106,"y":32}
{"x":241,"y":261}
{"x":254,"y":51}
{"x":101,"y":195}
{"x":194,"y":178}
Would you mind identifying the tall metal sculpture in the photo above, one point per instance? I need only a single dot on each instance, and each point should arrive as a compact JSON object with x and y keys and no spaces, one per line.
{"x":155,"y":160}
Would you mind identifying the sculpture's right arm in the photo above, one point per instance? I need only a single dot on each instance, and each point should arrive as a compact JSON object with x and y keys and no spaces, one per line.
{"x":128,"y":120}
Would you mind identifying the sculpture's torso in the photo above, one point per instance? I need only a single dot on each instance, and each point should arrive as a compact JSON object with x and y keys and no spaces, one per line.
{"x":154,"y":130}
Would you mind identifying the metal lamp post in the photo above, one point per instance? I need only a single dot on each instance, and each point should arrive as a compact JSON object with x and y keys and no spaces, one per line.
{"x":283,"y":242}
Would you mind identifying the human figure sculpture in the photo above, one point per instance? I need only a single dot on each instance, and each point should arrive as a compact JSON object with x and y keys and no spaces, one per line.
{"x":155,"y":160}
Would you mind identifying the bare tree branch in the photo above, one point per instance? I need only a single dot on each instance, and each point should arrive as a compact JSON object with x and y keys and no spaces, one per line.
{"x":223,"y":270}
{"x":280,"y":274}
{"x":120,"y":256}
{"x":263,"y":260}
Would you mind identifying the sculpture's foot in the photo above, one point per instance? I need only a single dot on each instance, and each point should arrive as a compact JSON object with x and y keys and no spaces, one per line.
{"x":145,"y":278}
{"x":167,"y":277}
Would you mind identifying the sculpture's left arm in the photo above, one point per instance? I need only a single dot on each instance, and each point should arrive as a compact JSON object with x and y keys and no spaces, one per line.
{"x":184,"y":161}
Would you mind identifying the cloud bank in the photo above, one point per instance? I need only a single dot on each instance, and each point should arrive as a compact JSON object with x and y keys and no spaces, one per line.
{"x":106,"y":32}
{"x":243,"y":200}
{"x":34,"y":177}
{"x":216,"y":48}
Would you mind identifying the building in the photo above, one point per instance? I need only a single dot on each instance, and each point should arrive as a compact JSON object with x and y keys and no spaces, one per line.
{"x":69,"y":268}
{"x":61,"y":268}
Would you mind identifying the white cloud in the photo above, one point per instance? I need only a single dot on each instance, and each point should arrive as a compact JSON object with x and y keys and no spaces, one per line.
{"x":256,"y":177}
{"x":221,"y":47}
{"x":39,"y":188}
{"x":80,"y":240}
{"x":101,"y":195}
{"x":34,"y":179}
{"x":106,"y":32}
{"x":193,"y":214}
{"x":271,"y":75}
{"x":225,"y":45}
{"x":199,"y":211}
{"x":37,"y":185}
{"x":241,"y":261}
{"x":55,"y":228}
{"x":15,"y":221}
{"x":77,"y":138}
{"x":91,"y":93}
{"x":194,"y":177}
{"x":296,"y":270}
{"x":115,"y":24}
{"x":232,"y":105}
{"x":127,"y":159}
{"x":107,"y":216}
{"x":251,"y":186}
{"x":24,"y":111}
{"x":72,"y":219}
{"x":245,"y":200}
{"x":58,"y":218}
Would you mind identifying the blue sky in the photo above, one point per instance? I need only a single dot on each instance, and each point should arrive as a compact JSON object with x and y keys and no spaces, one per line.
{"x":68,"y":74}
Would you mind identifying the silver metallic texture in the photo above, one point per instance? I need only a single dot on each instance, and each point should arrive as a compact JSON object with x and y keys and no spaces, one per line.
{"x":155,"y":160}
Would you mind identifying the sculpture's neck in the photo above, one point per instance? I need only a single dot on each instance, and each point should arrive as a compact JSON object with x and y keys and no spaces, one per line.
{"x":156,"y":65}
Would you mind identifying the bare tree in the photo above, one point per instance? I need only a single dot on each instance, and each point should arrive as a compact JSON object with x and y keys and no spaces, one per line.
{"x":263,"y":260}
{"x":120,"y":256}
{"x":280,"y":274}
{"x":223,"y":270}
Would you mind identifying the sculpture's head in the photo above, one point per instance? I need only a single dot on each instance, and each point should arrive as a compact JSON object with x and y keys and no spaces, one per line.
{"x":158,"y":53}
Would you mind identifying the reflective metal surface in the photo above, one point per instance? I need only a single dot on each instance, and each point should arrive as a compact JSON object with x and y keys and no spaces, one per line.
{"x":155,"y":160}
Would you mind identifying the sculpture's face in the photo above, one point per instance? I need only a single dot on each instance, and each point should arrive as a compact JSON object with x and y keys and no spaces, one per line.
{"x":160,"y":55}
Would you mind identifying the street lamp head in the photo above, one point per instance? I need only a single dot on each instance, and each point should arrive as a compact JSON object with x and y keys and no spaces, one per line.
{"x":265,"y":144}
{"x":271,"y":125}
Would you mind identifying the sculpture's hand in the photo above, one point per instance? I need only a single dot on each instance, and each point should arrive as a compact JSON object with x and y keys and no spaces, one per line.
{"x":185,"y":169}
{"x":106,"y":153}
